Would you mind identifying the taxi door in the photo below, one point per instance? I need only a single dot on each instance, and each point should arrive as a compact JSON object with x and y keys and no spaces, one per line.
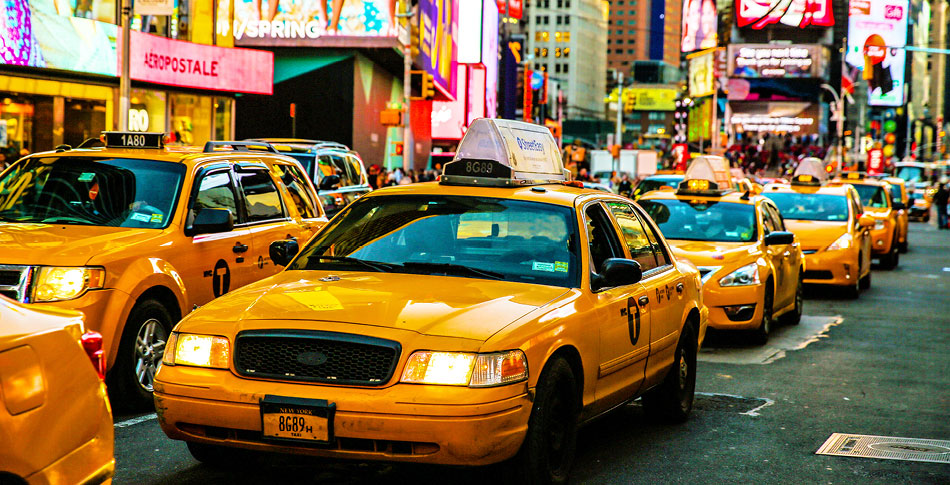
{"x":779,"y":256}
{"x":301,"y":198}
{"x":623,"y":319}
{"x":791,"y":259}
{"x":215,"y":263}
{"x":665,"y":290}
{"x":265,"y":215}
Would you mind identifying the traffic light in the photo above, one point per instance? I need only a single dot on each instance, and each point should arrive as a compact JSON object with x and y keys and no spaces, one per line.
{"x":428,"y":86}
{"x":415,"y":38}
{"x":628,"y":101}
{"x":423,"y":83}
{"x":397,"y":148}
{"x":390,"y":117}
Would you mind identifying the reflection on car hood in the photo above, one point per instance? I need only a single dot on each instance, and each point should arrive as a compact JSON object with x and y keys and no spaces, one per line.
{"x":64,"y":245}
{"x":21,"y":320}
{"x":431,"y":305}
{"x":710,"y":253}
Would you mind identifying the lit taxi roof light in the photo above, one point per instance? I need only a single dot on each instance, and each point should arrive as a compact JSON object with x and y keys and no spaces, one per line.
{"x":133,"y":139}
{"x":505,"y":153}
{"x":706,"y":175}
{"x":810,"y":171}
{"x":854,"y":175}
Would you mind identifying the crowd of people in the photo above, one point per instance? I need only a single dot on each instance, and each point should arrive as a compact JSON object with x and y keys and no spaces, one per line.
{"x":774,"y":153}
{"x":379,"y":176}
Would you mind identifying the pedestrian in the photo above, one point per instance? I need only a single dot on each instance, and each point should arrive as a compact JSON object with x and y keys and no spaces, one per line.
{"x":624,"y":187}
{"x":940,"y":202}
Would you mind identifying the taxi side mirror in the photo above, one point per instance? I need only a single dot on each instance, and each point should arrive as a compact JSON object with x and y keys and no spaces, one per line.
{"x":211,"y":221}
{"x":329,"y":182}
{"x":283,"y":251}
{"x":865,"y":221}
{"x":779,"y":237}
{"x":618,"y":272}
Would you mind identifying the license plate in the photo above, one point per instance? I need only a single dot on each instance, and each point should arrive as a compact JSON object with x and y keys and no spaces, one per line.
{"x":297,"y":419}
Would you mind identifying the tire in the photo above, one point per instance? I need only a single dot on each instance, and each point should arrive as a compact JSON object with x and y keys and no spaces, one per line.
{"x":904,"y":247}
{"x":672,"y":401}
{"x":137,"y":362}
{"x":795,"y":316}
{"x":761,"y":334}
{"x":549,"y":446}
{"x":214,"y":455}
{"x":865,"y":282}
{"x":892,"y":259}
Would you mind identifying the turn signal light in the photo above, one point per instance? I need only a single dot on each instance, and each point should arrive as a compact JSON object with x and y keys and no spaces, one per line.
{"x":92,"y":344}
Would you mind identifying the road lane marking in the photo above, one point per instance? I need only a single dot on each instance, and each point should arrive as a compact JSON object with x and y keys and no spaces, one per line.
{"x":134,"y":421}
{"x":785,"y":338}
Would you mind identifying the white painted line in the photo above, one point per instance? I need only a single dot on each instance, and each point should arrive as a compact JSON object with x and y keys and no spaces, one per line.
{"x":134,"y":421}
{"x":752,"y":412}
{"x":946,"y":269}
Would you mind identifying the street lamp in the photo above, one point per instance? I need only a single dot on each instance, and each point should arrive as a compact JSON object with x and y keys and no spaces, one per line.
{"x":839,"y":112}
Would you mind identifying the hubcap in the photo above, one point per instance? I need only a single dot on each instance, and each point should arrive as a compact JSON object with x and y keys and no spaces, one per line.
{"x":684,"y":371}
{"x":149,"y":347}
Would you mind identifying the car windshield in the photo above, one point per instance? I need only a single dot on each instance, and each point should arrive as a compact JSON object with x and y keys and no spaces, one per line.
{"x":702,"y":220}
{"x":872,"y":195}
{"x":653,"y":184}
{"x":476,"y":237}
{"x":811,"y":207}
{"x":113,"y":192}
{"x":911,"y":174}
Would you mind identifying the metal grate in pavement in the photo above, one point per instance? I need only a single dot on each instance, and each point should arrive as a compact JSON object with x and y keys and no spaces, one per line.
{"x":886,"y":447}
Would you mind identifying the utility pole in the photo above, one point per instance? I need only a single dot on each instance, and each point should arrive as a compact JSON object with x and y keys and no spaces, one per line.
{"x":618,"y":133}
{"x":125,"y":84}
{"x":408,"y":144}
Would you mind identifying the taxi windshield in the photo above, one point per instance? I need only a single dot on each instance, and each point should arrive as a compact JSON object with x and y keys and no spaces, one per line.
{"x":113,"y":192}
{"x":911,"y":174}
{"x":872,"y":196}
{"x":477,"y":237}
{"x":651,"y":184}
{"x":703,"y":220}
{"x":811,"y":207}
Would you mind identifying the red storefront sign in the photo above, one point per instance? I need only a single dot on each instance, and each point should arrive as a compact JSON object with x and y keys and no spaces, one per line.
{"x":875,"y":161}
{"x":172,"y":62}
{"x":515,"y":8}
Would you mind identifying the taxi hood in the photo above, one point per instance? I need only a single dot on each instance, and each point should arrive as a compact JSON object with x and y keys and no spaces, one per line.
{"x":712,"y":253}
{"x":430,"y":305}
{"x":64,"y":245}
{"x":816,"y":234}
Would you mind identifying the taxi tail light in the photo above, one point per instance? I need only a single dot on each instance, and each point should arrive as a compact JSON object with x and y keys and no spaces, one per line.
{"x":92,"y":344}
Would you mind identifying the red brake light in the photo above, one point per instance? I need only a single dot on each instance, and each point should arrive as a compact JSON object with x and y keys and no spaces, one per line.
{"x":92,"y":344}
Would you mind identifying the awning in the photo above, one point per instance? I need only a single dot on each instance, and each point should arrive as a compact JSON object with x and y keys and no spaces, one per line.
{"x":290,"y":64}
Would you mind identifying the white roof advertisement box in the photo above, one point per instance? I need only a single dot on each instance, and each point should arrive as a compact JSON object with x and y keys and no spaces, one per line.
{"x":530,"y":150}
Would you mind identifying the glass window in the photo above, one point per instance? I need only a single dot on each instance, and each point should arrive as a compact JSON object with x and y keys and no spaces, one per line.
{"x":766,"y":222}
{"x":603,"y":239}
{"x":113,"y":192}
{"x":261,"y":199}
{"x":16,"y":120}
{"x":811,"y":207}
{"x":354,"y":168}
{"x":147,"y":110}
{"x":222,"y":118}
{"x":296,"y":183}
{"x":662,"y":257}
{"x":699,"y":220}
{"x":774,"y":217}
{"x":476,"y":237}
{"x":641,"y":250}
{"x":631,"y":51}
{"x":215,"y":191}
{"x":191,"y":118}
{"x":567,"y":20}
{"x":871,"y":195}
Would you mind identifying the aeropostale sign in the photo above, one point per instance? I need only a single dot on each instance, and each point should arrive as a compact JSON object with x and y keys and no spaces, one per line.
{"x":171,"y":62}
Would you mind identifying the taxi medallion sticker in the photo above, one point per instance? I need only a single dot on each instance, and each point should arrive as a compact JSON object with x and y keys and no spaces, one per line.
{"x":539,"y":266}
{"x":560,"y":266}
{"x":157,"y":218}
{"x":86,"y":176}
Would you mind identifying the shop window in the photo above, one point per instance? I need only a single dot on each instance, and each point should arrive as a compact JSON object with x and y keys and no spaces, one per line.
{"x":147,"y":110}
{"x":544,"y":52}
{"x":83,"y":120}
{"x":16,"y":127}
{"x":191,"y":118}
{"x":222,"y":118}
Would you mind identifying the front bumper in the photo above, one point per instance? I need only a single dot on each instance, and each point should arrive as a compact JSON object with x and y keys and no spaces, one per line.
{"x":403,"y":422}
{"x":717,"y":298}
{"x":839,"y":268}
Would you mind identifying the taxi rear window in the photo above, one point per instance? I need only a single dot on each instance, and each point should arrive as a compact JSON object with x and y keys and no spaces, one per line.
{"x":479,"y":237}
{"x":872,"y":195}
{"x":113,"y":192}
{"x":811,"y":207}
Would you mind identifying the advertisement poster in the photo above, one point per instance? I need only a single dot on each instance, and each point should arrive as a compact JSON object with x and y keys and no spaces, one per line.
{"x":515,"y":8}
{"x":875,"y":161}
{"x":757,"y":14}
{"x":490,"y":58}
{"x":329,"y":23}
{"x":651,"y":99}
{"x":786,"y":61}
{"x":776,"y":117}
{"x":437,"y":49}
{"x":700,"y":25}
{"x":877,"y":33}
{"x":701,"y":75}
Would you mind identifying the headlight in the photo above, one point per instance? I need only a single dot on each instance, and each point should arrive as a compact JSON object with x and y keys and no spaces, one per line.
{"x":878,"y":224}
{"x":54,"y":283}
{"x":197,"y":350}
{"x":746,"y":275}
{"x":843,"y":242}
{"x":465,"y":369}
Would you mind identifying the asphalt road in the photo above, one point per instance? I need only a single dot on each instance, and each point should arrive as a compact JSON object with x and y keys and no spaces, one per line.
{"x":878,"y":365}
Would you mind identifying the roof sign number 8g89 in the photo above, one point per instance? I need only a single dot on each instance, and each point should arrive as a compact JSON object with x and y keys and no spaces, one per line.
{"x":475,"y":166}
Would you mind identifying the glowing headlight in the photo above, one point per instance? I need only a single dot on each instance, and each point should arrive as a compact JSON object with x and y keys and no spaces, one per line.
{"x":746,"y":275}
{"x":55,"y":283}
{"x":465,"y":369}
{"x":843,"y":242}
{"x":197,"y":350}
{"x":878,"y":224}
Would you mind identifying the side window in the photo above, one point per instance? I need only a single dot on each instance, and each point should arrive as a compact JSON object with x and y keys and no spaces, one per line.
{"x":603,"y":239}
{"x":215,"y":191}
{"x":856,"y":208}
{"x":339,"y":163}
{"x":767,"y":224}
{"x":355,"y":170}
{"x":295,"y":181}
{"x":260,"y":196}
{"x":641,"y":249}
{"x":662,"y":258}
{"x":775,"y":217}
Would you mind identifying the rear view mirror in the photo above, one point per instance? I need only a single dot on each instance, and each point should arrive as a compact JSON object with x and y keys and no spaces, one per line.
{"x":329,"y":182}
{"x":212,"y":221}
{"x":779,"y":237}
{"x":865,"y":221}
{"x":618,"y":272}
{"x":283,"y":251}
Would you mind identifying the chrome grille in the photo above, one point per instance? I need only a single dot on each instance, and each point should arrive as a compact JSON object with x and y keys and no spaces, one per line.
{"x":315,"y":356}
{"x":15,"y":281}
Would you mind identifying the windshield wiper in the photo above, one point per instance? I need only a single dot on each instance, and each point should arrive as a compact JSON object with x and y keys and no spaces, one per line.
{"x":454,"y":268}
{"x":374,"y":265}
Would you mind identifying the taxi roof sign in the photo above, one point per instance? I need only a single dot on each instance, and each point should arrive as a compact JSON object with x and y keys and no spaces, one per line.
{"x":712,"y":169}
{"x":810,"y":171}
{"x":505,"y":153}
{"x":133,"y":139}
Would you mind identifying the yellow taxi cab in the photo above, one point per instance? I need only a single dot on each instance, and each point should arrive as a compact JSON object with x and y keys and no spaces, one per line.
{"x":829,"y":222}
{"x":55,"y":420}
{"x":463,"y":322}
{"x":751,"y":266}
{"x":876,"y":201}
{"x":900,"y":202}
{"x":135,"y":235}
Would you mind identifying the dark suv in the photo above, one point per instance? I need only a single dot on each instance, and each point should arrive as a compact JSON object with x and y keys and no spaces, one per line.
{"x":336,"y":171}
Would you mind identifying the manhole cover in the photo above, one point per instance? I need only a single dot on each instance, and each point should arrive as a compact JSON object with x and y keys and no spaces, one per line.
{"x":886,"y":447}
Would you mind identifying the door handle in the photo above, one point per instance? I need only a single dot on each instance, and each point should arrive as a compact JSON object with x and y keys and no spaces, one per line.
{"x":239,"y":248}
{"x":643,"y":300}
{"x":786,"y":254}
{"x":680,"y":288}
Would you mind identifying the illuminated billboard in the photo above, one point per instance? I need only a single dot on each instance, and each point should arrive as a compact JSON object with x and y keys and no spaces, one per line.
{"x":702,"y":75}
{"x":336,"y":23}
{"x":778,"y":61}
{"x":876,"y":37}
{"x":438,"y":27}
{"x":776,"y":117}
{"x":700,"y":25}
{"x":757,"y":14}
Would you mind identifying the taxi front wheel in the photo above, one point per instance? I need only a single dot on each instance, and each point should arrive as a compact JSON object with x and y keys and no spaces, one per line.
{"x":548,"y":450}
{"x":672,"y":401}
{"x":141,"y":349}
{"x":768,"y":320}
